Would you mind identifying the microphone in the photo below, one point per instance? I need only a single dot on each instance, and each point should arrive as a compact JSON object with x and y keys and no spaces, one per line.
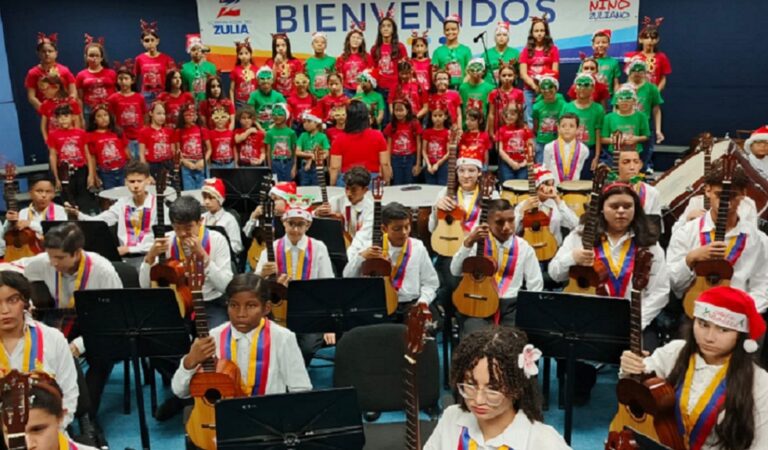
{"x":478,"y":37}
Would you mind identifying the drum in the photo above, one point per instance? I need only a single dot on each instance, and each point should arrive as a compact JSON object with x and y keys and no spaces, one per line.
{"x":515,"y":191}
{"x":576,"y":194}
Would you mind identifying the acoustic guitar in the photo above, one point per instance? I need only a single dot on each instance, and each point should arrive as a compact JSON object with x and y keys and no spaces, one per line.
{"x":477,"y":294}
{"x":18,"y":243}
{"x":448,"y":235}
{"x":418,"y":321}
{"x":536,"y":222}
{"x":646,"y":402}
{"x":278,"y":291}
{"x":217,"y":378}
{"x":15,"y":402}
{"x":380,"y":267}
{"x":66,"y":171}
{"x":320,"y":171}
{"x":586,"y":279}
{"x":714,"y":272}
{"x":176,"y":182}
{"x":169,"y":273}
{"x":257,"y":241}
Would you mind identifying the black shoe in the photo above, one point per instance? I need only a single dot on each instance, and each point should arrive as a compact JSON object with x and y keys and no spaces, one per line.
{"x":172,"y":406}
{"x":371,"y":416}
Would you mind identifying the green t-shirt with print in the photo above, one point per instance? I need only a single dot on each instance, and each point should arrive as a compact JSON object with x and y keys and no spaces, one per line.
{"x":318,"y":70}
{"x":648,"y":97}
{"x":263,"y":105}
{"x":545,"y":114}
{"x":610,"y":70}
{"x":590,"y":120}
{"x":281,"y":142}
{"x":454,"y":60}
{"x":307,"y":142}
{"x":635,"y":124}
{"x":373,"y":100}
{"x":493,"y":60}
{"x":475,"y":96}
{"x":194,"y":76}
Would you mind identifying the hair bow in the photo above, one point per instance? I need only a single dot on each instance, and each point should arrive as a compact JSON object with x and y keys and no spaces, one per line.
{"x":357,"y":26}
{"x":90,"y":40}
{"x":148,"y":27}
{"x":49,"y":39}
{"x":388,"y":14}
{"x":527,"y":359}
{"x":125,"y":65}
{"x":244,"y":43}
{"x":543,"y":18}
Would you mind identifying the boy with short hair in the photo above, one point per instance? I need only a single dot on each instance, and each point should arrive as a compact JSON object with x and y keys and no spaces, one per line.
{"x":41,"y":208}
{"x":70,"y":145}
{"x":546,"y":111}
{"x":319,"y":66}
{"x":214,"y":194}
{"x":607,"y":66}
{"x":566,"y":156}
{"x":475,"y":91}
{"x":355,"y":206}
{"x":649,"y":102}
{"x":547,"y":200}
{"x":625,"y":118}
{"x":591,"y":115}
{"x":630,"y":171}
{"x":194,"y":72}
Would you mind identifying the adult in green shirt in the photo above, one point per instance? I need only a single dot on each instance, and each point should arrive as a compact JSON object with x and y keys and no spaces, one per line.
{"x":474,"y":93}
{"x":633,"y":124}
{"x":265,"y":97}
{"x":501,"y":52}
{"x":319,"y":66}
{"x":368,"y":95}
{"x":452,"y":56}
{"x":194,"y":73}
{"x":545,"y":114}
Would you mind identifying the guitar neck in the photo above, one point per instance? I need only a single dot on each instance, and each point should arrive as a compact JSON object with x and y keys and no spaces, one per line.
{"x":320,"y":170}
{"x":722,"y":211}
{"x":531,"y":179}
{"x":635,"y":322}
{"x":201,"y":326}
{"x":10,"y":197}
{"x":452,"y":185}
{"x":160,"y":227}
{"x":483,"y":219}
{"x":412,"y":425}
{"x":269,"y":238}
{"x":378,"y":236}
{"x":590,"y":223}
{"x":707,"y":169}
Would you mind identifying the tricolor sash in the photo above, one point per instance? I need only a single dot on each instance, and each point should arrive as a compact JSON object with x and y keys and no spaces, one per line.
{"x":696,"y":426}
{"x":467,"y":443}
{"x":506,"y":267}
{"x":34,"y":351}
{"x":566,"y":164}
{"x":348,"y":220}
{"x":255,"y":383}
{"x":301,"y":269}
{"x":735,"y":247}
{"x":136,"y":231}
{"x":471,"y":214}
{"x":48,"y":215}
{"x":642,"y":192}
{"x":65,"y":443}
{"x":620,"y":271}
{"x":399,"y":268}
{"x":177,"y":250}
{"x":81,"y":281}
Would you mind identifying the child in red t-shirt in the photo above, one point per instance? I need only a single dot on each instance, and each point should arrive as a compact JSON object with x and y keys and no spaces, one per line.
{"x":192,"y":144}
{"x":249,"y":139}
{"x":434,"y":146}
{"x":403,"y":142}
{"x":539,"y":56}
{"x":475,"y":143}
{"x":214,"y":96}
{"x":55,"y":96}
{"x":150,"y":67}
{"x":127,"y":107}
{"x":299,"y":101}
{"x":501,"y":97}
{"x":284,"y":65}
{"x":447,"y":97}
{"x":335,"y":98}
{"x":422,"y":65}
{"x":108,"y":148}
{"x":600,"y":92}
{"x":156,"y":141}
{"x":174,"y":97}
{"x":353,"y":60}
{"x":97,"y":81}
{"x":337,"y":125}
{"x":648,"y":49}
{"x":222,"y":150}
{"x":70,"y":145}
{"x":410,"y":89}
{"x":47,"y":52}
{"x":242,"y":78}
{"x":513,"y":141}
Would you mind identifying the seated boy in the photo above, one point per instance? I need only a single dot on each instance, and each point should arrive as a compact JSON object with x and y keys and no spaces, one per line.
{"x":757,"y":149}
{"x":41,"y":208}
{"x":547,"y":200}
{"x":214,"y":193}
{"x":630,"y":171}
{"x":354,"y":206}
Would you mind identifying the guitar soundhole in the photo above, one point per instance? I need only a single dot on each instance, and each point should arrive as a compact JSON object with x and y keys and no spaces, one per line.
{"x":536,"y":226}
{"x":713,"y":279}
{"x":582,"y":282}
{"x":449,"y":220}
{"x":637,"y":411}
{"x":212,"y":396}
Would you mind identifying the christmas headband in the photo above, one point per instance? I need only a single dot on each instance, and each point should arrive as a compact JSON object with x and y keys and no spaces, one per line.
{"x":148,"y":27}
{"x":415,"y":34}
{"x":358,"y":27}
{"x":42,"y":38}
{"x":388,"y":14}
{"x":537,"y":19}
{"x":651,"y":24}
{"x":126,"y":65}
{"x":90,"y":40}
{"x":244,"y":43}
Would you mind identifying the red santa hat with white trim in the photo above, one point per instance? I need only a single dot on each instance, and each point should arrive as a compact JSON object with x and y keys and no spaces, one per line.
{"x":469,"y":161}
{"x":283,"y":189}
{"x":314,"y":114}
{"x":734,"y":309}
{"x":604,"y":32}
{"x":761,"y":134}
{"x":542,"y":174}
{"x":215,"y":188}
{"x":299,"y":206}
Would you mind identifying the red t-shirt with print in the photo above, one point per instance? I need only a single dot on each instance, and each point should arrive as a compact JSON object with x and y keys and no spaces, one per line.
{"x":244,"y":81}
{"x":513,"y":141}
{"x":222,"y":145}
{"x":191,"y":142}
{"x":350,"y":68}
{"x":329,"y":102}
{"x":251,"y":148}
{"x":32,"y":80}
{"x":449,"y":99}
{"x":158,"y":143}
{"x":128,"y":111}
{"x":435,"y":143}
{"x":474,"y":144}
{"x":96,"y":87}
{"x":173,"y":105}
{"x":48,"y":110}
{"x":404,"y":137}
{"x":359,"y":149}
{"x":108,"y":148}
{"x":69,"y":145}
{"x":150,"y":71}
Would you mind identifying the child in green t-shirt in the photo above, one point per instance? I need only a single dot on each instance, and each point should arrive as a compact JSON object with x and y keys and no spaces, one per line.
{"x":475,"y":91}
{"x":195,"y":72}
{"x":310,"y":140}
{"x":501,"y":52}
{"x":632,"y":123}
{"x":607,"y":66}
{"x":319,"y":66}
{"x":264,"y":98}
{"x":366,"y":85}
{"x":452,"y":56}
{"x":546,"y":111}
{"x":591,"y":115}
{"x":649,"y":102}
{"x":281,"y":144}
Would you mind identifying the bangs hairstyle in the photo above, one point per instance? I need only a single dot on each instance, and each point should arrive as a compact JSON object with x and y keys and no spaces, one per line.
{"x":348,"y":48}
{"x":17,"y":282}
{"x":531,"y":42}
{"x":394,"y":42}
{"x":501,"y":347}
{"x":103,"y":52}
{"x":169,"y":79}
{"x":419,"y":39}
{"x":245,"y":111}
{"x":92,"y":119}
{"x":477,"y":115}
{"x":646,"y":233}
{"x":249,"y":282}
{"x":284,"y":37}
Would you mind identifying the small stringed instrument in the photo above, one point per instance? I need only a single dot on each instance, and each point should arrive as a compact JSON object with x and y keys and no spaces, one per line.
{"x":257,"y":241}
{"x":380,"y":267}
{"x":278,"y":291}
{"x":646,"y":402}
{"x":536,"y":222}
{"x":586,"y":279}
{"x":477,"y":294}
{"x":15,"y":399}
{"x":66,"y":171}
{"x":217,"y":378}
{"x":449,"y":233}
{"x":176,"y":182}
{"x":320,"y":171}
{"x":715,"y":272}
{"x":419,"y":319}
{"x":18,"y":243}
{"x":706,"y":143}
{"x":169,"y":273}
{"x":618,"y":143}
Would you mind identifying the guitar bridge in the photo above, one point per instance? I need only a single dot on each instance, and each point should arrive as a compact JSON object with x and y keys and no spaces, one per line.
{"x":447,"y":238}
{"x":475,"y":297}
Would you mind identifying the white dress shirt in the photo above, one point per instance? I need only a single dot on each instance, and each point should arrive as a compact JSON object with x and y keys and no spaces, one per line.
{"x":521,"y":434}
{"x":650,"y":200}
{"x":560,"y":215}
{"x":2,"y":241}
{"x":218,"y":273}
{"x":761,"y":165}
{"x":321,"y":261}
{"x":226,"y":220}
{"x":286,"y":365}
{"x":749,"y":272}
{"x":465,"y":205}
{"x":570,"y":149}
{"x":747,"y":211}
{"x":358,"y":218}
{"x":420,"y":282}
{"x":126,"y":206}
{"x":663,"y":360}
{"x":36,"y":218}
{"x":655,"y":295}
{"x":527,"y":267}
{"x":102,"y":275}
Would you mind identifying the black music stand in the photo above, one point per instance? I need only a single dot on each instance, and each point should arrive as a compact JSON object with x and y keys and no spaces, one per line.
{"x":242,"y":184}
{"x":574,"y":327}
{"x":644,"y":442}
{"x":98,"y":237}
{"x":143,"y":323}
{"x":330,"y":232}
{"x":324,"y":419}
{"x":335,"y":304}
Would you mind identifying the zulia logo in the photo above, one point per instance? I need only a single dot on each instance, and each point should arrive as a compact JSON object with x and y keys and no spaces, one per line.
{"x":228,"y":10}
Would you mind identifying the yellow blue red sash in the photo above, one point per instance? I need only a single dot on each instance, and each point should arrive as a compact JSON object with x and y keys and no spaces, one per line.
{"x":467,"y":443}
{"x":177,"y":250}
{"x":258,"y":361}
{"x":399,"y":268}
{"x":736,"y":245}
{"x":81,"y":281}
{"x":66,"y":444}
{"x":472,"y":215}
{"x":34,"y":351}
{"x":566,"y":168}
{"x":619,"y":272}
{"x":302,"y":269}
{"x":136,"y":234}
{"x":697,"y":426}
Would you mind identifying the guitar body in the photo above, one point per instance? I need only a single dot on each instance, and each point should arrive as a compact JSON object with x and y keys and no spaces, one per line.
{"x":208,"y":388}
{"x":171,"y":274}
{"x":379,"y":267}
{"x":254,"y":252}
{"x":586,"y":279}
{"x":536,"y":232}
{"x":448,"y":235}
{"x":477,"y":295}
{"x":21,"y":244}
{"x":647,"y":406}
{"x":279,"y":302}
{"x":709,"y":274}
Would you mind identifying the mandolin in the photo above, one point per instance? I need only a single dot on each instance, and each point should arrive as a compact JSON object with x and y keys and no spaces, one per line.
{"x":278,"y":291}
{"x":715,"y":272}
{"x":19,"y":243}
{"x":646,"y":402}
{"x":216,"y":379}
{"x":449,"y":233}
{"x":477,"y":294}
{"x":320,"y":170}
{"x":66,"y":171}
{"x":169,"y":273}
{"x":536,"y":222}
{"x":418,"y":321}
{"x":380,"y":267}
{"x":257,"y":235}
{"x":586,"y":279}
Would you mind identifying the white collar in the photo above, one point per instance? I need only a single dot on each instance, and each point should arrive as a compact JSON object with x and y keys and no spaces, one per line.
{"x":240,"y":335}
{"x":709,"y":225}
{"x":627,"y":235}
{"x":516,"y":435}
{"x":148,"y":201}
{"x":301,"y":245}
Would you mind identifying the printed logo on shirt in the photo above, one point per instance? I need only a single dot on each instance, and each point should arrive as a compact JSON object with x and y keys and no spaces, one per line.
{"x":151,"y":79}
{"x":281,"y":149}
{"x":321,"y":80}
{"x":109,"y":154}
{"x":474,"y":103}
{"x":223,"y":152}
{"x":129,"y":117}
{"x":70,"y":152}
{"x":549,"y":125}
{"x":582,"y":134}
{"x":514,"y":145}
{"x":401,"y":144}
{"x":192,"y":149}
{"x":198,"y":85}
{"x":352,"y":70}
{"x":162,"y":149}
{"x":454,"y":69}
{"x":265,"y":114}
{"x":434,"y":151}
{"x":385,"y":64}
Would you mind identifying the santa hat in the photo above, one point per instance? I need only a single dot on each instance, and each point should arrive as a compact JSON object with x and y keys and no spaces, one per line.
{"x":367,"y":75}
{"x":264,"y":73}
{"x":502,"y":28}
{"x":283,"y":189}
{"x":453,"y":18}
{"x":299,"y":206}
{"x":542,"y":174}
{"x":215,"y":188}
{"x":469,"y":161}
{"x":314,"y":114}
{"x":547,"y":77}
{"x":604,"y":32}
{"x":761,"y":134}
{"x":731,"y":308}
{"x":194,"y":40}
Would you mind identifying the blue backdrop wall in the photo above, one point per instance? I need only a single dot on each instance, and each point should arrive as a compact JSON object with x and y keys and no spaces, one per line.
{"x":719,"y":60}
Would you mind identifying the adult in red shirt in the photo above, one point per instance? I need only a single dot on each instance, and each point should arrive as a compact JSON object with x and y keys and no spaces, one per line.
{"x":47,"y":53}
{"x":359,"y":145}
{"x":97,"y":81}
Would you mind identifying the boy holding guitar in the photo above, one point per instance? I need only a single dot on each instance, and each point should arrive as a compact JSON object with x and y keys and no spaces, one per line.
{"x":630,"y":171}
{"x":547,"y":200}
{"x":354,"y":206}
{"x":41,"y":208}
